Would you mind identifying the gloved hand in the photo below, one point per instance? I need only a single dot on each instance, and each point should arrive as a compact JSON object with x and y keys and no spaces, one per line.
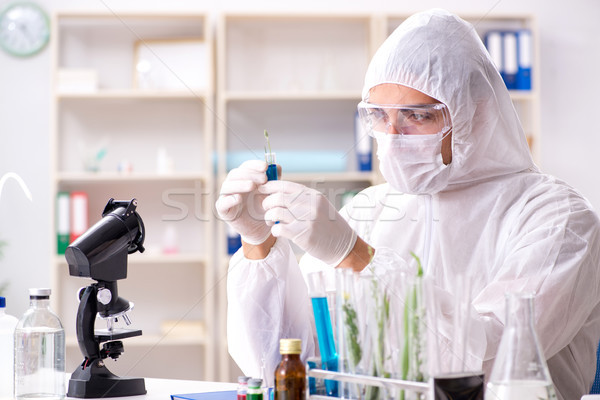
{"x":308,"y":219}
{"x":240,"y":205}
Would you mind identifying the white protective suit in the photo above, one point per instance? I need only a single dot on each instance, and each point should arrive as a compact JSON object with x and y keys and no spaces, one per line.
{"x":499,"y":221}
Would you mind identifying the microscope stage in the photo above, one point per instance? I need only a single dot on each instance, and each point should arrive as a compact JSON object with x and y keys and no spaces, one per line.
{"x":104,"y":335}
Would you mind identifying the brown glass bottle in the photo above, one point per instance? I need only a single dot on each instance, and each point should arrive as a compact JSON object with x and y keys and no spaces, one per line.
{"x":290,"y":374}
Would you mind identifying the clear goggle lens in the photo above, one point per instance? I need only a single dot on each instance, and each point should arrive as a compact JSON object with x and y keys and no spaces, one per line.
{"x":422,"y":119}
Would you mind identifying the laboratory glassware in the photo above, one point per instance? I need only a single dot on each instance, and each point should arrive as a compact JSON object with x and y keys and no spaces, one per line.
{"x":458,"y":386}
{"x":520,"y":370}
{"x":7,"y":342}
{"x":290,"y":374}
{"x":315,"y":385}
{"x":39,"y":351}
{"x":350,"y":331}
{"x":255,"y":392}
{"x":242,"y":389}
{"x":329,"y":356}
{"x":270,"y":159}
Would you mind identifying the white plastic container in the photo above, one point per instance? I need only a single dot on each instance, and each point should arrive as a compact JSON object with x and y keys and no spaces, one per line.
{"x":7,"y":342}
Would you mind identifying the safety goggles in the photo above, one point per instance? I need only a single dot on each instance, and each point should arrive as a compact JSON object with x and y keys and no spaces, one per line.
{"x":421,"y":119}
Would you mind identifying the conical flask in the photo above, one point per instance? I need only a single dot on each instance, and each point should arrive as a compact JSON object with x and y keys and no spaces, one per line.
{"x":520,"y":370}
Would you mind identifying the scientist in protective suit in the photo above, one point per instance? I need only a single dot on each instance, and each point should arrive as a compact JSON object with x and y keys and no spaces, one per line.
{"x":462,"y":191}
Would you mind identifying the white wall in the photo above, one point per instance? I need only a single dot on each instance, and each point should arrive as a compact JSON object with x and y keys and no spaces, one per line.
{"x":570,"y":55}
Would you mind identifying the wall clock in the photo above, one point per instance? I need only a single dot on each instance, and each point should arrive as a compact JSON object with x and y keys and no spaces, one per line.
{"x":24,"y":29}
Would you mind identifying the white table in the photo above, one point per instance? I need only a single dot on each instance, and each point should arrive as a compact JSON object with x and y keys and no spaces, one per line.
{"x":162,"y":389}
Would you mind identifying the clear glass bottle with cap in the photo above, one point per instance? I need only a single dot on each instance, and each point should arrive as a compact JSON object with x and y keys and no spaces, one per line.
{"x":39,"y":351}
{"x":7,"y":341}
{"x":290,"y":374}
{"x":520,"y":370}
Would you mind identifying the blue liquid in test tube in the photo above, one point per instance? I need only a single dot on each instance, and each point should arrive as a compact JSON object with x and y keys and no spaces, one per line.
{"x":270,"y":159}
{"x":329,"y":357}
{"x":272,"y":171}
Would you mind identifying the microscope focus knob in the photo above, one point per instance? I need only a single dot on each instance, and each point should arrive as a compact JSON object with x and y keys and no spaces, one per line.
{"x":104,"y":296}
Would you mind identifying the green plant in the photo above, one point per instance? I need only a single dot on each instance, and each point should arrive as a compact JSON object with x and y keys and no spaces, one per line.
{"x":412,"y":330}
{"x":351,"y":321}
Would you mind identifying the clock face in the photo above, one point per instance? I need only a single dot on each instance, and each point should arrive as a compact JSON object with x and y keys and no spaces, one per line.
{"x":24,"y":29}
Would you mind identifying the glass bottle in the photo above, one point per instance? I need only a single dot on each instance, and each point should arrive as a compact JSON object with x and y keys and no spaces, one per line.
{"x":520,"y":370}
{"x":290,"y":374}
{"x":255,"y":391}
{"x":7,"y":341}
{"x":242,"y":388}
{"x":39,"y":351}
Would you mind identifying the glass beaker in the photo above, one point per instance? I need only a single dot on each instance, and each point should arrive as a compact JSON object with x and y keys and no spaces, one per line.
{"x":520,"y":370}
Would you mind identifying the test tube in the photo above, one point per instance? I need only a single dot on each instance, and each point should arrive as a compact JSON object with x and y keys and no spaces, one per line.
{"x":329,"y":356}
{"x":270,"y":159}
{"x":272,"y":166}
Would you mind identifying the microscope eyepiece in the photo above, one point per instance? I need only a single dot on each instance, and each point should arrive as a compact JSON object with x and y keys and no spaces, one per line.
{"x":101,"y":252}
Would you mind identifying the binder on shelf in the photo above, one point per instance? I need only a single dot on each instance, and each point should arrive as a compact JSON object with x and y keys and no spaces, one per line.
{"x":510,"y":64}
{"x":525,"y":56}
{"x":364,"y":145}
{"x":511,"y":52}
{"x":234,"y":241}
{"x":63,"y":224}
{"x":79,"y":214}
{"x":493,"y":43}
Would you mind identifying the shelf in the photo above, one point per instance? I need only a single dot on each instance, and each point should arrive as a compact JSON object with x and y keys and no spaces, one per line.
{"x":291,"y":95}
{"x":151,"y":341}
{"x":154,"y":258}
{"x":518,"y":95}
{"x":133,"y":94}
{"x":523,"y":95}
{"x":127,"y":88}
{"x":116,"y":177}
{"x":331,"y":176}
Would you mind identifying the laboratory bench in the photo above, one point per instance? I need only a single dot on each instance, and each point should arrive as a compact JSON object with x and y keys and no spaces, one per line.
{"x":162,"y":389}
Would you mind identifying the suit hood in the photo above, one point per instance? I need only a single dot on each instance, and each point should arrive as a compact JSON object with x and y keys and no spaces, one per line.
{"x":442,"y":56}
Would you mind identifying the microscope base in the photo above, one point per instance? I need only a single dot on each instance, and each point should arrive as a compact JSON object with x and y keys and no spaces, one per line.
{"x":97,"y":381}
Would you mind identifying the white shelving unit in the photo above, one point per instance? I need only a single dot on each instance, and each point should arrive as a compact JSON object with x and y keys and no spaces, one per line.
{"x":108,"y":97}
{"x":297,"y":75}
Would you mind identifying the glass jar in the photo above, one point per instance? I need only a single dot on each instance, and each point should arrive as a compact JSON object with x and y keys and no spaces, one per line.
{"x":39,"y":351}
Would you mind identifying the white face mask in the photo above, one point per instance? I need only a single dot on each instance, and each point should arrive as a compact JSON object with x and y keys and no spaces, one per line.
{"x":412,"y":163}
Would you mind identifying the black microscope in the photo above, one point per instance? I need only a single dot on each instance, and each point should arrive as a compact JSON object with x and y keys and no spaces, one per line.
{"x":101,"y":254}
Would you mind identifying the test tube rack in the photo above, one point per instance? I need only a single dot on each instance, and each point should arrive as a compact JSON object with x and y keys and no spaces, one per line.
{"x":388,"y":383}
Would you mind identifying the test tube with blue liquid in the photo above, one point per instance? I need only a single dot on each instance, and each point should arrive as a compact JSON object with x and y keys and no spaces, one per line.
{"x":270,"y":159}
{"x":271,"y":162}
{"x":329,"y":356}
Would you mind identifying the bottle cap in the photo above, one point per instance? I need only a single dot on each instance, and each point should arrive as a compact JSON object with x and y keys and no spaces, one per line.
{"x":254,"y":383}
{"x":39,"y":292}
{"x":2,"y":302}
{"x":290,"y":346}
{"x":243,"y":379}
